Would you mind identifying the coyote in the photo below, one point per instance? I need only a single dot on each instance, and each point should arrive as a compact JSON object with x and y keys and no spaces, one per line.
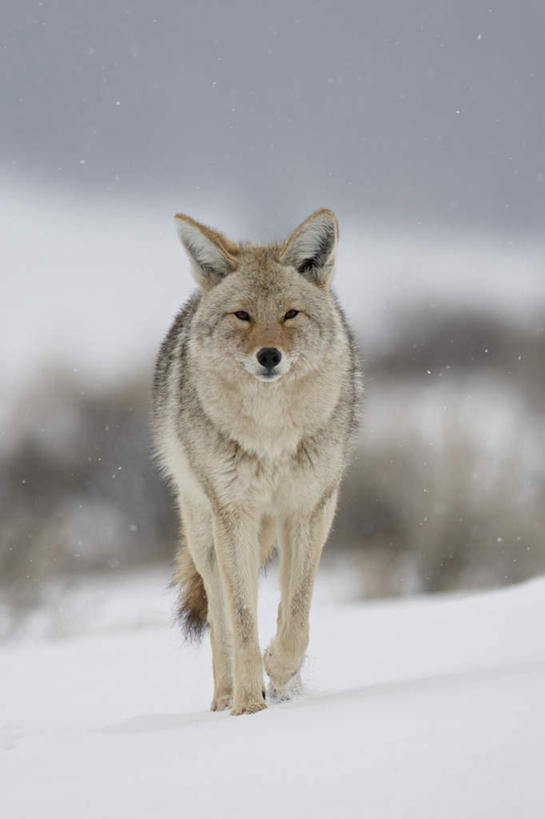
{"x":256,"y":399}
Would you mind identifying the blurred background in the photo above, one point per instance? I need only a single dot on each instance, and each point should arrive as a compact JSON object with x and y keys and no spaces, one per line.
{"x":420,"y":123}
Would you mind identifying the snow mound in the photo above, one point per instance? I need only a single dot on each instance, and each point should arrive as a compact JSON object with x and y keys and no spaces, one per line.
{"x":431,"y":707}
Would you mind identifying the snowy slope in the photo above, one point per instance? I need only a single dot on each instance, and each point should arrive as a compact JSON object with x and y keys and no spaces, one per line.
{"x":420,"y":708}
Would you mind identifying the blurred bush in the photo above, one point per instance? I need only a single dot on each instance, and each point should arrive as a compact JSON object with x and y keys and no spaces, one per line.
{"x":78,"y":485}
{"x":446,"y":489}
{"x":447,"y":486}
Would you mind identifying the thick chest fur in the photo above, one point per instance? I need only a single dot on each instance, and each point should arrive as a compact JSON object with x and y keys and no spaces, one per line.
{"x":287,"y":482}
{"x":272,"y":454}
{"x":271,"y":420}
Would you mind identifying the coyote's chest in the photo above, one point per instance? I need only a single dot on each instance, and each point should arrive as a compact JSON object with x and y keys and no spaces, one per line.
{"x":260,"y":482}
{"x":269,"y":423}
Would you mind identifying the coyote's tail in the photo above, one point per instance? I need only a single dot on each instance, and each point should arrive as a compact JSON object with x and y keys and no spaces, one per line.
{"x":192,"y":602}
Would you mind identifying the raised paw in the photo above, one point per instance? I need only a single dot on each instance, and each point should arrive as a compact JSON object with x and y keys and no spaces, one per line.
{"x":286,"y":692}
{"x":281,"y":667}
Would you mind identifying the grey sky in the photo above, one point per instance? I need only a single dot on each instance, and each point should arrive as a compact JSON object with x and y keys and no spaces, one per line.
{"x":391,"y":110}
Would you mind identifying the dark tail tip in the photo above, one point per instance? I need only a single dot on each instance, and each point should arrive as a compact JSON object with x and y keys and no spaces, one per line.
{"x":192,"y":613}
{"x":192,"y":602}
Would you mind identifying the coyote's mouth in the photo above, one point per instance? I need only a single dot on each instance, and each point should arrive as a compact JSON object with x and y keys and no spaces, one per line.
{"x":269,"y":375}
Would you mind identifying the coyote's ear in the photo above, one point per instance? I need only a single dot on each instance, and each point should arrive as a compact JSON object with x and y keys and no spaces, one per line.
{"x":212,"y":255}
{"x":311,"y":247}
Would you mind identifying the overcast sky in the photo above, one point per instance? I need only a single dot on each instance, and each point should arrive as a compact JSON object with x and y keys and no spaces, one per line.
{"x":388,"y":111}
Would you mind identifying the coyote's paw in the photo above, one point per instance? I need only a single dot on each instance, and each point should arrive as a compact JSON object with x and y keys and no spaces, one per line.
{"x":284,"y":693}
{"x":248,"y":705}
{"x":283,"y":670}
{"x":221,"y":702}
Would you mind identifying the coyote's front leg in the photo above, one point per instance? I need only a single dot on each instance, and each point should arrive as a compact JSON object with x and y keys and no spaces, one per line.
{"x":236,"y":533}
{"x":197,"y":526}
{"x":301,"y":541}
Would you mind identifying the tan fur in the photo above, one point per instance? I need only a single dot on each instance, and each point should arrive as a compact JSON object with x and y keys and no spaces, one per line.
{"x":256,"y":465}
{"x":225,"y":245}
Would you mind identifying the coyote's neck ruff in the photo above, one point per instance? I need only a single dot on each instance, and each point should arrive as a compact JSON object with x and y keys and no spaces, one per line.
{"x":255,"y":402}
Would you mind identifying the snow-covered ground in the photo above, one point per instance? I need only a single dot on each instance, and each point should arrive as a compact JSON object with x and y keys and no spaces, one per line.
{"x":428,"y":708}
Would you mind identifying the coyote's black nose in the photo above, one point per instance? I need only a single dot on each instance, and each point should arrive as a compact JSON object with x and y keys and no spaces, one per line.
{"x":269,"y":357}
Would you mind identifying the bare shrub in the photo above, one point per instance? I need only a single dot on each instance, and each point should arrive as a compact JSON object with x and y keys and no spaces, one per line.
{"x":450,"y":343}
{"x":79,"y":490}
{"x":445,"y":491}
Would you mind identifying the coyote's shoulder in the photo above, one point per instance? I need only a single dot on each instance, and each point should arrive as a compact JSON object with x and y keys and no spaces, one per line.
{"x":256,"y":399}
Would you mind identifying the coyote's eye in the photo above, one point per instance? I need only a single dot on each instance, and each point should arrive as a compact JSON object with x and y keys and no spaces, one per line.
{"x":242,"y":315}
{"x":291,"y":314}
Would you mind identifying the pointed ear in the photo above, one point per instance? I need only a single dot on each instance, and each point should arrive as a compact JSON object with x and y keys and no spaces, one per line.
{"x":311,"y":247}
{"x":212,"y":255}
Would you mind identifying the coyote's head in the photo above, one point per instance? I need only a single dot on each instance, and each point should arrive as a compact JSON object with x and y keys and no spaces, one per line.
{"x":265,"y":310}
